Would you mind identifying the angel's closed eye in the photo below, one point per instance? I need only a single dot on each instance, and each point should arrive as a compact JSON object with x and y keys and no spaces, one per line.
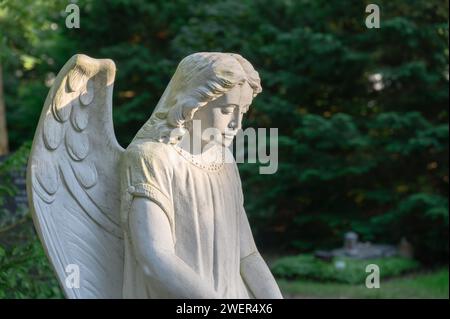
{"x":229,"y":109}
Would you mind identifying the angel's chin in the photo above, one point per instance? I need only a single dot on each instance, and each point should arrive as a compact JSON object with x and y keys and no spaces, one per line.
{"x":227,"y":140}
{"x":227,"y":143}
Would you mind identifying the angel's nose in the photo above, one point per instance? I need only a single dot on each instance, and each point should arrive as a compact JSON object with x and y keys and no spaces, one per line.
{"x":235,"y":123}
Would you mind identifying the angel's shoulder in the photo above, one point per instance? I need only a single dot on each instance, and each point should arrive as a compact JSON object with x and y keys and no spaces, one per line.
{"x":150,"y":152}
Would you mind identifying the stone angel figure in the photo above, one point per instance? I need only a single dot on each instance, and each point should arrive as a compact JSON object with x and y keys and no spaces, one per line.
{"x":158,"y":219}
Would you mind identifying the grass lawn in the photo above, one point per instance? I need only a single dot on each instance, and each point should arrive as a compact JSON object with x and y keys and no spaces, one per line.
{"x":420,"y":285}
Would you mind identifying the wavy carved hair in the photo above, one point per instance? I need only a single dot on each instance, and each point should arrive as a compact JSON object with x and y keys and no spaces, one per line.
{"x":199,"y":78}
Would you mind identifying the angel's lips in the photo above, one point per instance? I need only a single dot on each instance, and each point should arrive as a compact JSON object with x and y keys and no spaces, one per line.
{"x":228,"y":136}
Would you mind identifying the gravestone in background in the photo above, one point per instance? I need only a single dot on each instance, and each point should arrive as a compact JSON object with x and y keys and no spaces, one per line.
{"x":13,"y":207}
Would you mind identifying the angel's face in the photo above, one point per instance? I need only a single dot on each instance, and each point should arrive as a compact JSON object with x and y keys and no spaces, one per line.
{"x":222,"y":118}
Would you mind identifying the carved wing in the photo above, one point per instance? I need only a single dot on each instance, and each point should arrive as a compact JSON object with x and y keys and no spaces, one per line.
{"x":73,"y":180}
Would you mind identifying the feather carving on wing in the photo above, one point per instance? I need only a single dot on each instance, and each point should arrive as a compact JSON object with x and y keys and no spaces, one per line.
{"x":73,"y":180}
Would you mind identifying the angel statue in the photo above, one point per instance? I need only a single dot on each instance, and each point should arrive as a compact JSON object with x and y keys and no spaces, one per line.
{"x":159,"y":219}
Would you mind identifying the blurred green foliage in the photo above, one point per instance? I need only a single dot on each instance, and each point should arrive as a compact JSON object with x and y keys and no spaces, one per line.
{"x":25,"y":271}
{"x":362,"y":113}
{"x":351,"y":271}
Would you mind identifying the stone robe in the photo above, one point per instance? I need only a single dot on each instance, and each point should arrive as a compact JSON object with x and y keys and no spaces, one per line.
{"x":203,"y":204}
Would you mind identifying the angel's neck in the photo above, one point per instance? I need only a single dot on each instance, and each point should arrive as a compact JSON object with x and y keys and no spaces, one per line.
{"x":194,"y":144}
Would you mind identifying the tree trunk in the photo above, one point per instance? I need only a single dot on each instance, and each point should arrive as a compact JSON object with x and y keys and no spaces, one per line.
{"x":4,"y":147}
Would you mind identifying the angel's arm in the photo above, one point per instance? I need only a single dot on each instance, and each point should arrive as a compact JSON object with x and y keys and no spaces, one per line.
{"x":254,"y":270}
{"x":154,"y":246}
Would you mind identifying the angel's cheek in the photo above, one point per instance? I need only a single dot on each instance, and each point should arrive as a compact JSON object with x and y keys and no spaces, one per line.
{"x":221,"y":121}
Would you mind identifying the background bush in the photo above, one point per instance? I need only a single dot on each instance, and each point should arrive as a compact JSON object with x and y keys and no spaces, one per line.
{"x":342,"y":269}
{"x":24,"y":269}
